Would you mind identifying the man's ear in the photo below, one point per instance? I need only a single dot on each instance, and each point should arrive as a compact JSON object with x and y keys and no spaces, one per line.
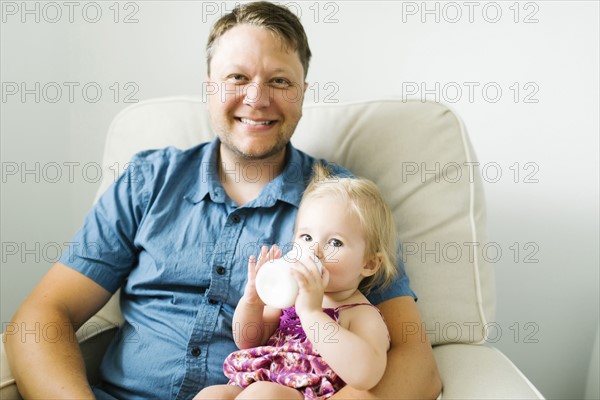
{"x":372,"y":265}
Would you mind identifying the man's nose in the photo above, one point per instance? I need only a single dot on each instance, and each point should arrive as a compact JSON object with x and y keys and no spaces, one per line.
{"x":257,"y":95}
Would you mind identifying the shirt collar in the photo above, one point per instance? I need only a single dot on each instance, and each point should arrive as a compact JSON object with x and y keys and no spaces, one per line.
{"x":288,"y":186}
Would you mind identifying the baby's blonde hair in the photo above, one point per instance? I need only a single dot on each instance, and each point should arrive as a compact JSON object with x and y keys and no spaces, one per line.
{"x":375,"y":216}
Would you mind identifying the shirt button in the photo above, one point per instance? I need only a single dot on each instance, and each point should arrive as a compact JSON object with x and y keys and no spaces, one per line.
{"x":235,"y":218}
{"x":220,"y":270}
{"x":196,"y":351}
{"x":212,"y":301}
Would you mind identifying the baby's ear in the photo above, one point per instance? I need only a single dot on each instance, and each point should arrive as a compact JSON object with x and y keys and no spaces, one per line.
{"x":372,"y":265}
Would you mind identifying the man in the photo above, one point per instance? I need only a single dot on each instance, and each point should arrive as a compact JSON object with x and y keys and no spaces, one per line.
{"x":175,"y":233}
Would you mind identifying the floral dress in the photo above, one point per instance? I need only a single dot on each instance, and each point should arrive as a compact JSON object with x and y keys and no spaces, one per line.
{"x":288,"y":359}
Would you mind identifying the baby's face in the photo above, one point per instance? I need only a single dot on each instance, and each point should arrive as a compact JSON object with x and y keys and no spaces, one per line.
{"x":329,"y":229}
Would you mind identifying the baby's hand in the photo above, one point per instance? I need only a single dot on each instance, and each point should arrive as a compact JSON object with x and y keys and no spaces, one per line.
{"x":311,"y":286}
{"x":250,"y":294}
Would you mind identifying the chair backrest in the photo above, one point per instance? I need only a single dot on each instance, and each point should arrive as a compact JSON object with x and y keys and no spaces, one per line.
{"x":421,"y":158}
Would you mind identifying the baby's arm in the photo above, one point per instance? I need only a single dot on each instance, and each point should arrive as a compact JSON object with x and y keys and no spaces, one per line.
{"x":253,"y":322}
{"x":357,"y":354}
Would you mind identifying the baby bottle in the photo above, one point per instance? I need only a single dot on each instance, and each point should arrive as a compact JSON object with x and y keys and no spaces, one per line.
{"x":275,"y":285}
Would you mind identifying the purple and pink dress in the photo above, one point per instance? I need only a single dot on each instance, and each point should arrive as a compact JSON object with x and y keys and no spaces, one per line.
{"x":288,"y":359}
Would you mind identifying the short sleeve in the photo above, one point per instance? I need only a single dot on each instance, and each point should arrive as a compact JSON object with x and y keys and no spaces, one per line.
{"x":104,"y":248}
{"x":400,"y":287}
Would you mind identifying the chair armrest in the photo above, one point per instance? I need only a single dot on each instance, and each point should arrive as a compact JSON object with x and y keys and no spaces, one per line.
{"x":471,"y":371}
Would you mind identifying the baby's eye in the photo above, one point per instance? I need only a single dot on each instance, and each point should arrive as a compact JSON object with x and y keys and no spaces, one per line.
{"x":335,"y":243}
{"x":306,"y":237}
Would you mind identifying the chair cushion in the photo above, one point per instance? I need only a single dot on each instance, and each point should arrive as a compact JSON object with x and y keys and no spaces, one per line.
{"x":481,"y":372}
{"x":419,"y":155}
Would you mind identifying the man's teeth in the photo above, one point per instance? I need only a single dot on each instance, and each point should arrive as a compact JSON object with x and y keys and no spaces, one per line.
{"x":251,"y":122}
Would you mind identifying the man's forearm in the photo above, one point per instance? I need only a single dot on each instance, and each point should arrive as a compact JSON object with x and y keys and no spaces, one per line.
{"x":45,"y":358}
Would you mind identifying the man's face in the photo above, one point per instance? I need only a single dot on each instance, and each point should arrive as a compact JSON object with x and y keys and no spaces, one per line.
{"x":256,"y":91}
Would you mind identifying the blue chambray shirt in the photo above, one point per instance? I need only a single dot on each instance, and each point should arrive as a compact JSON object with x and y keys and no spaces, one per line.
{"x":168,"y":235}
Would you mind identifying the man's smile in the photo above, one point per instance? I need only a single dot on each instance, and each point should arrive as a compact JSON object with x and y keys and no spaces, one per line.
{"x":255,"y":122}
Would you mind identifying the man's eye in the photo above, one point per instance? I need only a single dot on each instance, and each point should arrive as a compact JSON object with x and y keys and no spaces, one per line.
{"x":335,"y":243}
{"x":306,"y":238}
{"x":281,"y":83}
{"x":237,"y":78}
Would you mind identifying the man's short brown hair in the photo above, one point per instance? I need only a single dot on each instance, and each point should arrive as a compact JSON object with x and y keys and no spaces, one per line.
{"x":275,"y":18}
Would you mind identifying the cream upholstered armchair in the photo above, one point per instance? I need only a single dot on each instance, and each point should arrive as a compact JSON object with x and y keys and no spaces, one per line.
{"x":420,"y":156}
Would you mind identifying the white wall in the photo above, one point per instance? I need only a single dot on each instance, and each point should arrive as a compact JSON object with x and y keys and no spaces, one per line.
{"x":544,"y":219}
